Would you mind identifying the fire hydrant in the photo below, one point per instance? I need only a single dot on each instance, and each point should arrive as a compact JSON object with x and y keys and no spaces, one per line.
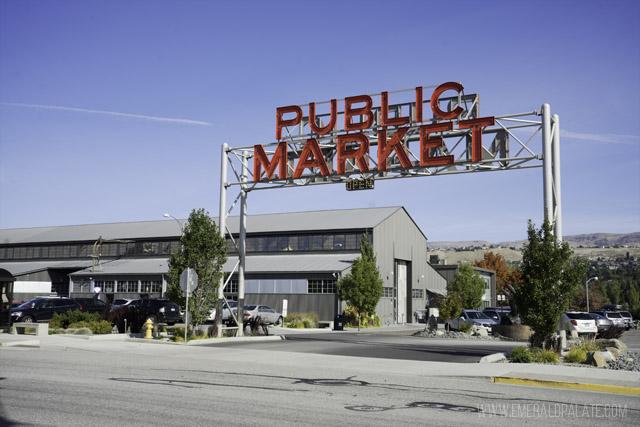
{"x":149,"y":325}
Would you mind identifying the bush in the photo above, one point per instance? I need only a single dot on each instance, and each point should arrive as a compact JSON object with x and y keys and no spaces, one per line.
{"x":586,"y":345}
{"x":302,"y":320}
{"x":576,"y":355}
{"x":521,"y":355}
{"x":64,"y":320}
{"x":545,"y":356}
{"x":95,"y":326}
{"x":465,"y":327}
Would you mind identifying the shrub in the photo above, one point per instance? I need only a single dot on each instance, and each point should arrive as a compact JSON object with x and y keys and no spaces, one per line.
{"x":521,"y":355}
{"x":464,"y":327}
{"x":587,"y":345}
{"x":64,"y":320}
{"x":545,"y":356}
{"x":576,"y":355}
{"x":302,"y":320}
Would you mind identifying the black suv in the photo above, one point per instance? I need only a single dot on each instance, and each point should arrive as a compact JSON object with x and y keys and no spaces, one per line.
{"x":42,"y":309}
{"x":93,"y":305}
{"x":136,"y":313}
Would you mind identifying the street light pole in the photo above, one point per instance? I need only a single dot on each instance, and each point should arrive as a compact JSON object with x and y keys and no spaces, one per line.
{"x":587,"y":287}
{"x":176,"y":220}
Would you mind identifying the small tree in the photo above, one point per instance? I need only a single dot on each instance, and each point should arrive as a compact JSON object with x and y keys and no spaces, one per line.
{"x":362,"y":287}
{"x":204,"y":250}
{"x":450,"y":307}
{"x":468,"y":285}
{"x":550,"y":278}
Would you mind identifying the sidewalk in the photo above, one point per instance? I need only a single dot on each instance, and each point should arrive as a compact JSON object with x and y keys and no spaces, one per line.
{"x":557,"y":376}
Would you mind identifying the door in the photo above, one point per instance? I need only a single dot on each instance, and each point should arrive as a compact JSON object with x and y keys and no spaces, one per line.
{"x":401,"y":291}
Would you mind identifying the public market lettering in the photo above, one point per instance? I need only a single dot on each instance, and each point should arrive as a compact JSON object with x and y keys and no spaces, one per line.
{"x":355,"y":145}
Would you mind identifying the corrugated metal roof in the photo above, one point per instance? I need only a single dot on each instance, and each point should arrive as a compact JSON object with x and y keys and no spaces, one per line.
{"x":19,"y":268}
{"x":128,"y":266}
{"x":337,"y":219}
{"x":308,"y":263}
{"x":317,"y":263}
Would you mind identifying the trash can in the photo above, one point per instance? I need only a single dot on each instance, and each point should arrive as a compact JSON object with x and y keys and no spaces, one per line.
{"x":337,"y":323}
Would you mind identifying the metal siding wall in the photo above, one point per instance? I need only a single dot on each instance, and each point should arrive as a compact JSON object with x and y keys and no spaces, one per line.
{"x":398,"y":237}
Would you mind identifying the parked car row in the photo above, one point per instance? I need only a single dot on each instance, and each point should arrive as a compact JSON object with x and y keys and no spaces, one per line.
{"x":250,"y":311}
{"x":43,"y":309}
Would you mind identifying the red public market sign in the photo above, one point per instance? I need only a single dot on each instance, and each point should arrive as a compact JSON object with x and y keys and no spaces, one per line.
{"x":352,"y":143}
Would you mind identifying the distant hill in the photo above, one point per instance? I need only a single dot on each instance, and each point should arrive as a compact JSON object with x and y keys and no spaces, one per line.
{"x":590,"y":246}
{"x":594,"y":240}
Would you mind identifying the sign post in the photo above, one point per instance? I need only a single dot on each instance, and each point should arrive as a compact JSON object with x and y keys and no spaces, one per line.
{"x":188,"y":282}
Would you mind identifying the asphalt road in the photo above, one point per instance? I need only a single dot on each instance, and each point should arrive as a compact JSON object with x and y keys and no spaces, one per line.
{"x":400,"y":345}
{"x":163,"y":385}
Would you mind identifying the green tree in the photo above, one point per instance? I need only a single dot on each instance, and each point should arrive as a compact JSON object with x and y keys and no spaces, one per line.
{"x":550,"y":278}
{"x":204,"y":250}
{"x":468,"y":285}
{"x":362,"y":287}
{"x":450,"y":307}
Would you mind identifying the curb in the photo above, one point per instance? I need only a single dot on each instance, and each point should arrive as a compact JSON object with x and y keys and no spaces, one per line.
{"x":208,"y":341}
{"x":570,"y":385}
{"x":28,"y":343}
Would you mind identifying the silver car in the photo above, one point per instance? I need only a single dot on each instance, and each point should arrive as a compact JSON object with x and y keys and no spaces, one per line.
{"x":474,"y":318}
{"x":602,"y":322}
{"x":266,"y":314}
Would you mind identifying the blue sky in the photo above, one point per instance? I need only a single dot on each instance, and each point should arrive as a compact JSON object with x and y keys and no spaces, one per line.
{"x":116,"y":110}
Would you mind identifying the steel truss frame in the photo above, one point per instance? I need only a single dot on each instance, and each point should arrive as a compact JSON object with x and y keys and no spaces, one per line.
{"x":516,"y":141}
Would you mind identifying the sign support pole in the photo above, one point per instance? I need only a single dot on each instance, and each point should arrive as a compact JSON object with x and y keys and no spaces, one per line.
{"x":547,"y":163}
{"x":222,"y":225}
{"x":241,"y":244}
{"x":556,"y":178}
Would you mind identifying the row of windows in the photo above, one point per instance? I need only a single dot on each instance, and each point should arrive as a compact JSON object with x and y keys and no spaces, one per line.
{"x":126,"y":286}
{"x":86,"y":250}
{"x":391,"y":293}
{"x":301,"y":243}
{"x":315,"y":286}
{"x":295,"y":243}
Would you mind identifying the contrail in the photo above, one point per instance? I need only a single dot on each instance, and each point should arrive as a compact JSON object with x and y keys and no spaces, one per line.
{"x":611,"y":138}
{"x":110,"y":113}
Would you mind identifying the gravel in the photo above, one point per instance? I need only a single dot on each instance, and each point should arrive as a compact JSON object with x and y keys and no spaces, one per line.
{"x":626,"y":362}
{"x":457,"y":335}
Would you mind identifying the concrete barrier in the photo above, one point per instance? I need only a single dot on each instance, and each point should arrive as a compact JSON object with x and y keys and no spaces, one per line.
{"x":41,"y":328}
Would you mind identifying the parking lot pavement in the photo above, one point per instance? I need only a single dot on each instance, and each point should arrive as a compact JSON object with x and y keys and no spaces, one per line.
{"x":558,"y":376}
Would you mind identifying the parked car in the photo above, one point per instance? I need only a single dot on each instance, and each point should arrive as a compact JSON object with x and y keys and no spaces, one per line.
{"x":93,"y":305}
{"x":602,"y":323}
{"x":474,"y":318}
{"x":42,"y":309}
{"x":266,"y":314}
{"x":499,"y":313}
{"x":226,"y":312}
{"x":614,"y":316}
{"x":136,"y":313}
{"x":578,"y":321}
{"x":628,"y":319}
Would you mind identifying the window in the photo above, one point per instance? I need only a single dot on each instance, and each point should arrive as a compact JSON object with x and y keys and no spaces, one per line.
{"x":316,"y":243}
{"x":417,"y":293}
{"x":303,"y":243}
{"x":232,"y":287}
{"x":132,"y":286}
{"x":318,"y":286}
{"x":122,"y":286}
{"x":388,"y":292}
{"x":153,"y":286}
{"x":339,"y":242}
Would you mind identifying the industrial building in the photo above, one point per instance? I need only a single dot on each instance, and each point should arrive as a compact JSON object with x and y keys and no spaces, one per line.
{"x":296,"y":257}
